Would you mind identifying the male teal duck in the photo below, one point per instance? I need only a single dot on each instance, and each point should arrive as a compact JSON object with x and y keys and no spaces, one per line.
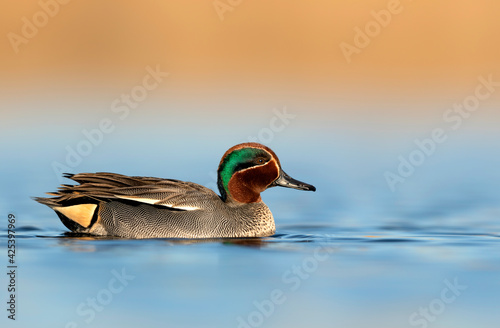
{"x":108,"y":204}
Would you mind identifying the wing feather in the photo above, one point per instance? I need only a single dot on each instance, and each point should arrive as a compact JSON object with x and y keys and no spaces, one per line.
{"x":175,"y":194}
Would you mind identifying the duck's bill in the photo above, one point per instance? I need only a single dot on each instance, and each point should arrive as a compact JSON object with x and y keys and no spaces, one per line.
{"x":284,"y":180}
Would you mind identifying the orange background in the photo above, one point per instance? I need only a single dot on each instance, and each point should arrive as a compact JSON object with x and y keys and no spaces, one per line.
{"x":282,"y":50}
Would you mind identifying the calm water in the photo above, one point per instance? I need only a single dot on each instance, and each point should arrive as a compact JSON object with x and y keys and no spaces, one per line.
{"x":353,"y":254}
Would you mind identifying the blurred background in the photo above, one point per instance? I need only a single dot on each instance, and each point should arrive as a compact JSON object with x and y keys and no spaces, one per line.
{"x":360,"y":82}
{"x":343,"y":91}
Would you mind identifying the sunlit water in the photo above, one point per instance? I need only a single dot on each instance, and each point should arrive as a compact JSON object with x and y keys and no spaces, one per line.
{"x":353,"y":254}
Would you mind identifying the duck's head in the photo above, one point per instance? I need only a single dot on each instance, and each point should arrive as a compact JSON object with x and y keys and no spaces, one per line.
{"x":248,"y":169}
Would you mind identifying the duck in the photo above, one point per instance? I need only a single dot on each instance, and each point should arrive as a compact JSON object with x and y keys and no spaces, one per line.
{"x":115,"y":205}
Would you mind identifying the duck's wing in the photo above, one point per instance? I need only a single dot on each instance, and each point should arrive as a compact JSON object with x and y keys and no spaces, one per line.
{"x":103,"y":186}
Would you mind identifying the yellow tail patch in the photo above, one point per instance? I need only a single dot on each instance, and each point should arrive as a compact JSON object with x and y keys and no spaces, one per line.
{"x":81,"y":214}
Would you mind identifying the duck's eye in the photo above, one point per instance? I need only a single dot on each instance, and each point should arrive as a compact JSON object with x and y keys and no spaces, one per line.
{"x":260,"y":160}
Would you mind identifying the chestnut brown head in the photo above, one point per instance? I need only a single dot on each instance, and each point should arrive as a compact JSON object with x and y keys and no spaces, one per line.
{"x":248,"y":169}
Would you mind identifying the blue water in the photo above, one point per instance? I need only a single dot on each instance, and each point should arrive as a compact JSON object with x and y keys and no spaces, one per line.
{"x":353,"y":254}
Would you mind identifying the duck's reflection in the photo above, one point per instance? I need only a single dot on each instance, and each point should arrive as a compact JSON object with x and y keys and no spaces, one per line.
{"x":79,"y":242}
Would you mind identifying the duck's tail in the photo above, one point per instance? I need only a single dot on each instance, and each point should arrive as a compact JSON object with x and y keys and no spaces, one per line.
{"x":77,"y":211}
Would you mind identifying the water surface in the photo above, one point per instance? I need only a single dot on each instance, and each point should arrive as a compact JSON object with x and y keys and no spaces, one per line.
{"x":353,"y":254}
